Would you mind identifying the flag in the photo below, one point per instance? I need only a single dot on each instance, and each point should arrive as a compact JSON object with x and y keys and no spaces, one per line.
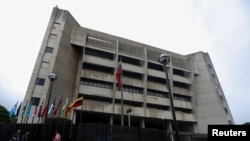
{"x":18,"y":109}
{"x":45,"y":109}
{"x":75,"y":103}
{"x":35,"y":111}
{"x":24,"y":108}
{"x":13,"y":110}
{"x":29,"y":109}
{"x":65,"y":104}
{"x":52,"y":107}
{"x":57,"y":107}
{"x":40,"y":110}
{"x":118,"y":76}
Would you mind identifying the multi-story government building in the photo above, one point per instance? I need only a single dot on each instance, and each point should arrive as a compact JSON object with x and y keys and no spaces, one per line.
{"x":85,"y":63}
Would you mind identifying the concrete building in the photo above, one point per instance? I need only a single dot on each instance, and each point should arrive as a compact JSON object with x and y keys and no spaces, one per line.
{"x":85,"y":63}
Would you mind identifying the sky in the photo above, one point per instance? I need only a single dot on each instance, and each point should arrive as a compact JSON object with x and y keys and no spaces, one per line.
{"x":219,"y":27}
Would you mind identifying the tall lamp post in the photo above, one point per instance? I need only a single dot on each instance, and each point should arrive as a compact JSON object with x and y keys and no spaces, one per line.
{"x":52,"y":77}
{"x":164,"y":59}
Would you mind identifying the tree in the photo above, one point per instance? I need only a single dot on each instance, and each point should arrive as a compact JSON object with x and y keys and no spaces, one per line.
{"x":246,"y":123}
{"x":4,"y":115}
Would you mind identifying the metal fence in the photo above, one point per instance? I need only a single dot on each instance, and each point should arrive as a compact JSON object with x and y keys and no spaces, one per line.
{"x":92,"y":132}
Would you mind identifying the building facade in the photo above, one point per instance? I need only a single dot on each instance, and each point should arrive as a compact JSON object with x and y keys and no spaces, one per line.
{"x":85,"y":62}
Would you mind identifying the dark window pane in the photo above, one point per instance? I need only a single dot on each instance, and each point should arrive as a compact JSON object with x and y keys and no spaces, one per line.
{"x":49,"y":49}
{"x":35,"y":101}
{"x":40,"y":81}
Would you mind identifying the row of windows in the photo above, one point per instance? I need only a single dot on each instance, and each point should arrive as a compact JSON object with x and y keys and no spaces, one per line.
{"x":157,"y":93}
{"x":96,"y":83}
{"x":98,"y":53}
{"x":132,"y":61}
{"x":130,"y":74}
{"x":129,"y":60}
{"x":182,"y":97}
{"x":98,"y":68}
{"x":131,"y":89}
{"x":108,"y":85}
{"x":217,"y":86}
{"x":183,"y":110}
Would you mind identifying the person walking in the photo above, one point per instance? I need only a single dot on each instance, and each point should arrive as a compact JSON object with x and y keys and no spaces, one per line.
{"x":16,"y":136}
{"x":25,"y":137}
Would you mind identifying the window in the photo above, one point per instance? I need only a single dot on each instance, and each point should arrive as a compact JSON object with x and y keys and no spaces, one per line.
{"x":35,"y":101}
{"x":209,"y":65}
{"x":96,"y":83}
{"x":226,"y":111}
{"x":49,"y":49}
{"x":40,"y":81}
{"x":221,"y":97}
{"x":132,"y":89}
{"x":132,"y":75}
{"x":181,"y":85}
{"x":183,"y":110}
{"x":98,"y":53}
{"x":157,"y":93}
{"x":178,"y":72}
{"x":45,"y":64}
{"x":99,"y":68}
{"x":182,"y":97}
{"x":213,"y":75}
{"x":155,"y":66}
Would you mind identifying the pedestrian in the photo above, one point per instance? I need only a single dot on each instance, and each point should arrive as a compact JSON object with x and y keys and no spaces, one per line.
{"x":25,"y":137}
{"x":57,"y":137}
{"x":16,"y":136}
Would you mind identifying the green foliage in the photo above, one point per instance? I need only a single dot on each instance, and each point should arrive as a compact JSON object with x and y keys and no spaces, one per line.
{"x":4,"y":115}
{"x":247,"y":123}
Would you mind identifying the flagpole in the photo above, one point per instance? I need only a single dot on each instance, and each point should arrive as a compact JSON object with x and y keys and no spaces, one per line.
{"x":28,"y":113}
{"x":122,"y":117}
{"x":31,"y":131}
{"x":64,"y":123}
{"x":39,"y":115}
{"x":71,"y":125}
{"x":65,"y":108}
{"x":60,"y":104}
{"x":23,"y":111}
{"x":52,"y":112}
{"x":37,"y":125}
{"x":80,"y":119}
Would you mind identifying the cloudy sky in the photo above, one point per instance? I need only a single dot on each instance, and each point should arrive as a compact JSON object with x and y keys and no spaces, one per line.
{"x":218,"y":27}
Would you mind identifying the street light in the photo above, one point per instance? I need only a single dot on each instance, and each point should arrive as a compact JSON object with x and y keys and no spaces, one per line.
{"x":52,"y":77}
{"x":129,"y":111}
{"x":164,"y":59}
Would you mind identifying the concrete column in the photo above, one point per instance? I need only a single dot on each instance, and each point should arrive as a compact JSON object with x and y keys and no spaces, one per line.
{"x":169,"y":128}
{"x":142,"y":123}
{"x":111,"y":120}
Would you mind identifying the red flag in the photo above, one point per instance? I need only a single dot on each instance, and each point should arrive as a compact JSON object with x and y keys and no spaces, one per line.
{"x":45,"y":110}
{"x":118,"y":76}
{"x":57,"y":107}
{"x":75,"y":103}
